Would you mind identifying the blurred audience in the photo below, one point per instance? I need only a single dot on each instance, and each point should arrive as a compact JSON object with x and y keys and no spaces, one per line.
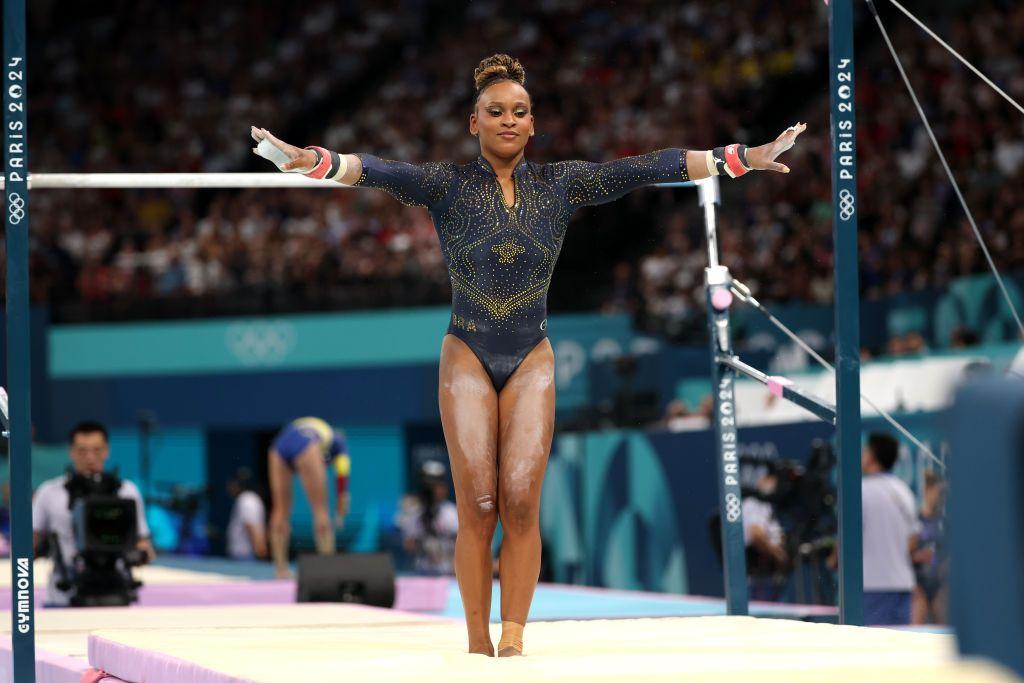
{"x":679,"y":417}
{"x":171,"y":253}
{"x":930,"y":561}
{"x":394,"y":80}
{"x":913,"y":234}
{"x":247,"y":529}
{"x":908,"y":344}
{"x":429,"y":522}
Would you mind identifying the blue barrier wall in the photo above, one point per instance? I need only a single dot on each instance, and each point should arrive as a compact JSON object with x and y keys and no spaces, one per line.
{"x":177,"y":457}
{"x":259,"y":400}
{"x":375,"y":367}
{"x":622,"y":509}
{"x":631,"y":510}
{"x":353,"y":368}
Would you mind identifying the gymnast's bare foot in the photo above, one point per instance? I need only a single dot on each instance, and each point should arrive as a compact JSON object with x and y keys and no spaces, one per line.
{"x":486,"y":649}
{"x":511,"y":643}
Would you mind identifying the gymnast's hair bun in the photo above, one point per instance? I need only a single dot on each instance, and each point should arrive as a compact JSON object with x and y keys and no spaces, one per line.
{"x":498,"y":68}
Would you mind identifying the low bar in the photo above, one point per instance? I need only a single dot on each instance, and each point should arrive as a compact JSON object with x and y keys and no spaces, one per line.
{"x":812,"y":404}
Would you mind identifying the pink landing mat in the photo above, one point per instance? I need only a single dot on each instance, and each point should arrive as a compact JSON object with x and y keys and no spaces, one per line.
{"x":50,"y":667}
{"x":242,"y":643}
{"x":412,"y":593}
{"x":134,"y":664}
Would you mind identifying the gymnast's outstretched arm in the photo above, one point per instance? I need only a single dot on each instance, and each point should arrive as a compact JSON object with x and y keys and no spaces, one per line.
{"x":345,"y":169}
{"x":412,"y":184}
{"x":702,"y":164}
{"x":587,"y":183}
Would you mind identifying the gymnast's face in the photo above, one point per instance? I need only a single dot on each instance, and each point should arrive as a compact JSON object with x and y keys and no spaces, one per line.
{"x":502,"y":119}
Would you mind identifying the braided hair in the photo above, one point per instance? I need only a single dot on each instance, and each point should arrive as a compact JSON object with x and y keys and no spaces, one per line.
{"x":497,"y":68}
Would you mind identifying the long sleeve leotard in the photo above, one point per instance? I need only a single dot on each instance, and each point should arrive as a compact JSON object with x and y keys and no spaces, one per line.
{"x":500,"y":258}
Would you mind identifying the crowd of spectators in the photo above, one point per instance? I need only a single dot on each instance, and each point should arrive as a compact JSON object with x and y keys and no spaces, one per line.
{"x":143,"y":85}
{"x":394,"y":78}
{"x":608,"y":81}
{"x":149,"y":86}
{"x":776,"y":233}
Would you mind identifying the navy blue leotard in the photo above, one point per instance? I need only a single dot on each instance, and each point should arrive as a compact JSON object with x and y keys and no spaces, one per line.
{"x":500,"y":258}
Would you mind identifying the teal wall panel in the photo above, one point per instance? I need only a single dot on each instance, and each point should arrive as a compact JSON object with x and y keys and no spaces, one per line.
{"x":176,"y":456}
{"x":246,"y":344}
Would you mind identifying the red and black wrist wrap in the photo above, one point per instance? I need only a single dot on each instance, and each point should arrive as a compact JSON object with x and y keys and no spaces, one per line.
{"x":731,"y":160}
{"x":327,"y":164}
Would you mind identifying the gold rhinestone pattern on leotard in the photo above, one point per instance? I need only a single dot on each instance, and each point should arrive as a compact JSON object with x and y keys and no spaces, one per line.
{"x":500,"y":258}
{"x":508,"y":250}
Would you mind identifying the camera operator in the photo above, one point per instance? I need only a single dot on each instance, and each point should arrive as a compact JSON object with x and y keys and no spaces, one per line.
{"x":429,"y":522}
{"x":767,"y":560}
{"x":51,"y":506}
{"x":801,"y":497}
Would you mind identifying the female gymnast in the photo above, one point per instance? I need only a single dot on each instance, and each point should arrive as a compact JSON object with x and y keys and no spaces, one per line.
{"x":305,"y":446}
{"x":501,"y":220}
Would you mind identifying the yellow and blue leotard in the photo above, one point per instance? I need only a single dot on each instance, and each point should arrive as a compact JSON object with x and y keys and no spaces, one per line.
{"x":298,"y":434}
{"x":500,"y":258}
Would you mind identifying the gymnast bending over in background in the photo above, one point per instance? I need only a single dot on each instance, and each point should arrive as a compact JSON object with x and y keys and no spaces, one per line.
{"x":305,"y":447}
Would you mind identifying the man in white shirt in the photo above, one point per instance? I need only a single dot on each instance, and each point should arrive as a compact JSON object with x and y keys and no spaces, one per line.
{"x":90,"y":447}
{"x":891,"y":527}
{"x":247,"y":529}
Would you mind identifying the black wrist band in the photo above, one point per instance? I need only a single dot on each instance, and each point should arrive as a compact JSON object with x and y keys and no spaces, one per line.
{"x":741,"y":152}
{"x":718,"y":156}
{"x":335,"y":165}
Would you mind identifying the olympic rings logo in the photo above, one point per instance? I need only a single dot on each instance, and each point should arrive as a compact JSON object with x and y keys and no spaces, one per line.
{"x":846,"y":206}
{"x":732,"y":507}
{"x":259,"y":343}
{"x":15,"y":208}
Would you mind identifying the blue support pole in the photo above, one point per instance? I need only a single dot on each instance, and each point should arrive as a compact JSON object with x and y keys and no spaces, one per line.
{"x":18,"y":366}
{"x":847,"y":310}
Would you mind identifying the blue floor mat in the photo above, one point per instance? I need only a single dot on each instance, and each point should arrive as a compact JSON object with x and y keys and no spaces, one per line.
{"x":551,"y":602}
{"x":248,"y":569}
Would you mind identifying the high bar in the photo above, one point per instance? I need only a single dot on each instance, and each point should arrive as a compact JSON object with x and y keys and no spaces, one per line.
{"x":52,"y":181}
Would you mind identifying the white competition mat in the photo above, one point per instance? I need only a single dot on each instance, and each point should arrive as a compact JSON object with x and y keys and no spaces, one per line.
{"x":372,"y":645}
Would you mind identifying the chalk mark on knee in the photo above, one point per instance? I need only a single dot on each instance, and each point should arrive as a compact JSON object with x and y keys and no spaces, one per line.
{"x":485,"y":502}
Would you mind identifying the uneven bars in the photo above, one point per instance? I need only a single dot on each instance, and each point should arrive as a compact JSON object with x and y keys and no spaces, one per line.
{"x":130,"y":181}
{"x":780,"y":386}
